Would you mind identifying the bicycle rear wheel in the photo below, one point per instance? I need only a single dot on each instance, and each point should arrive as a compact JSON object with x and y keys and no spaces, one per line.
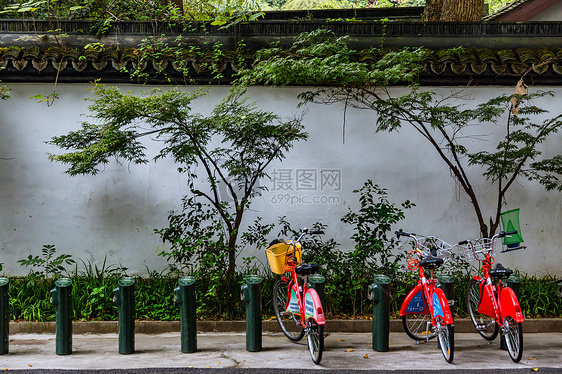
{"x":514,"y":338}
{"x":446,"y":337}
{"x":288,"y":321}
{"x":416,"y":326}
{"x":484,"y":324}
{"x":315,"y":340}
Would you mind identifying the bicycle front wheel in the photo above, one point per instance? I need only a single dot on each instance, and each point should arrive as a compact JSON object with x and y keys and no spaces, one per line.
{"x":418,"y":326}
{"x":514,"y":338}
{"x":315,"y":339}
{"x":484,"y":324}
{"x":289,"y":322}
{"x":446,"y":337}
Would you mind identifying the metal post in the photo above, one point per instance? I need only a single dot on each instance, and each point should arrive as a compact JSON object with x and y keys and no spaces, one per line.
{"x":513,"y":282}
{"x":185,"y":298}
{"x":125,"y":298}
{"x":251,"y":294}
{"x":317,"y":281}
{"x":61,"y":298}
{"x":4,"y":320}
{"x":447,"y":284}
{"x":379,"y":292}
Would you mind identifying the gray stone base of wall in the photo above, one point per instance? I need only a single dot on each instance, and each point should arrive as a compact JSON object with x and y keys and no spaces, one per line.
{"x":535,"y":325}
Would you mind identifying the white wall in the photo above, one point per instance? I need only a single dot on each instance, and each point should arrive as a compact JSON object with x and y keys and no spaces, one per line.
{"x":114,"y":213}
{"x":554,"y":13}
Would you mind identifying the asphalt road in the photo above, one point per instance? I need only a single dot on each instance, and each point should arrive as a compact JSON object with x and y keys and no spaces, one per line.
{"x":283,"y":371}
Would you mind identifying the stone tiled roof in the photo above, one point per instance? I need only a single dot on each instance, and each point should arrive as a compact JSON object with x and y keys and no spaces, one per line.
{"x":494,"y":52}
{"x":17,"y":64}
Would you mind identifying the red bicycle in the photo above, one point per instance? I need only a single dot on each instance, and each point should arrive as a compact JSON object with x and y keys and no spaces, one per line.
{"x":493,"y":306}
{"x":297,"y":307}
{"x":425,"y":311}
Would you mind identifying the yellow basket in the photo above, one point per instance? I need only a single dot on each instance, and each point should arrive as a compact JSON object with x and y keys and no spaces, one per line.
{"x":277,"y":256}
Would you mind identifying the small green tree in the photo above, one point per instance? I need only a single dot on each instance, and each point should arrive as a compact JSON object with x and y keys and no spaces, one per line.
{"x":227,"y":151}
{"x":374,"y":250}
{"x":364,"y":81}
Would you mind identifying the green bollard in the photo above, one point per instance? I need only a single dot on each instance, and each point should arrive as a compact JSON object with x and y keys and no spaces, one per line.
{"x":447,"y":284}
{"x":125,"y":298}
{"x":251,"y":294}
{"x":317,"y":281}
{"x":379,"y":292}
{"x":513,"y":282}
{"x":4,"y":320}
{"x":61,"y":298}
{"x":185,"y":298}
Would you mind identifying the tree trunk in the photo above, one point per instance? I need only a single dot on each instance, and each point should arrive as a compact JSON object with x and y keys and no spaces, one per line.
{"x":433,"y":10}
{"x":453,"y":10}
{"x":463,"y":10}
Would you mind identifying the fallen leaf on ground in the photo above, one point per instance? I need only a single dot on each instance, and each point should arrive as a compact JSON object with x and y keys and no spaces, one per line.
{"x":530,"y":358}
{"x":281,"y":358}
{"x":535,"y":369}
{"x":366,"y":356}
{"x":341,"y":340}
{"x":350,"y":350}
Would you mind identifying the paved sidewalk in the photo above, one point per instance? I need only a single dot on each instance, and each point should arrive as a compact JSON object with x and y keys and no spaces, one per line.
{"x":344,"y":351}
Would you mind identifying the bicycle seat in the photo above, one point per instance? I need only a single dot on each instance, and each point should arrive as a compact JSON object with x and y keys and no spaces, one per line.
{"x":500,"y":272}
{"x":306,"y":269}
{"x":430,"y":262}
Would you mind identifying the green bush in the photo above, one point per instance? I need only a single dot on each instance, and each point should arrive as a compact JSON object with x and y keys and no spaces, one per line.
{"x":93,"y":297}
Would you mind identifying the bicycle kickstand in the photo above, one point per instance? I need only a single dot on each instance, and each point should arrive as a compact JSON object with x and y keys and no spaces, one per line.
{"x":427,"y":327}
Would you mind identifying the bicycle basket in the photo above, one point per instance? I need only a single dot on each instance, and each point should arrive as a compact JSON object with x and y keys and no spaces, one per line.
{"x":429,"y":243}
{"x":278,"y":254}
{"x":482,"y":248}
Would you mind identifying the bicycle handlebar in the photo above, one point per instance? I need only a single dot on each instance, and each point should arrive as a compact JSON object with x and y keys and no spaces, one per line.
{"x":306,"y":231}
{"x":428,"y":245}
{"x":506,"y":233}
{"x":500,"y":234}
{"x":403,"y":233}
{"x":490,"y":245}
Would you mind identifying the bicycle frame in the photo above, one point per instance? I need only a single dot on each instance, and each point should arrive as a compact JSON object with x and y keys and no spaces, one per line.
{"x":425,"y":299}
{"x":297,"y":307}
{"x":304,"y":301}
{"x":497,"y":301}
{"x":438,"y":306}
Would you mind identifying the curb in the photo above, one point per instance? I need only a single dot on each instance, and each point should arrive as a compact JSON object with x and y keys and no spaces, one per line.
{"x":534,"y":325}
